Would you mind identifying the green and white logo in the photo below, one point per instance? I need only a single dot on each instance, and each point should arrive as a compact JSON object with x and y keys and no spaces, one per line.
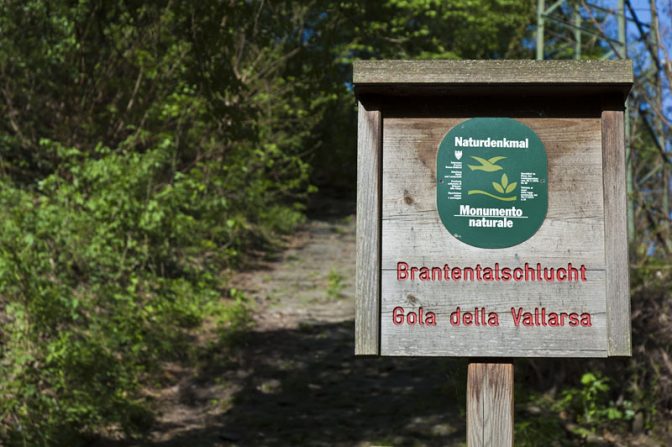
{"x":491,"y":179}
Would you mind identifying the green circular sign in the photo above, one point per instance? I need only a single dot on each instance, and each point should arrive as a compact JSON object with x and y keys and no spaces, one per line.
{"x":491,"y":178}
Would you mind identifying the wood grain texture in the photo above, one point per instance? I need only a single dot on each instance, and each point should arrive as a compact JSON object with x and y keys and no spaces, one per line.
{"x":574,"y":222}
{"x":573,"y":232}
{"x":507,"y":340}
{"x":490,"y":401}
{"x":367,"y":288}
{"x":618,"y":73}
{"x":616,"y":244}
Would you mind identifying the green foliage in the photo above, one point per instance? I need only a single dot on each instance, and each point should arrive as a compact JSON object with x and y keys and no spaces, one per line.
{"x":104,"y":270}
{"x":135,"y":166}
{"x":434,"y":29}
{"x":591,"y":402}
{"x":147,"y":146}
{"x":395,"y":29}
{"x":536,"y":430}
{"x":335,"y":285}
{"x":624,"y":394}
{"x":231,"y":321}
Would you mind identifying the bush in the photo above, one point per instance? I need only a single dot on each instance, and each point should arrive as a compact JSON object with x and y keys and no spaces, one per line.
{"x":142,"y":152}
{"x":104,"y":267}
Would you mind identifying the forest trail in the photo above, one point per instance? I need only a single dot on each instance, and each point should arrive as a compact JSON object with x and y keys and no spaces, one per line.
{"x":292,"y":379}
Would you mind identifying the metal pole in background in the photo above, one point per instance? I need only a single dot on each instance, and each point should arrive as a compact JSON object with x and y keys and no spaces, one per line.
{"x":540,"y":29}
{"x":658,"y":104}
{"x":623,"y":54}
{"x":577,"y":31}
{"x":659,"y":128}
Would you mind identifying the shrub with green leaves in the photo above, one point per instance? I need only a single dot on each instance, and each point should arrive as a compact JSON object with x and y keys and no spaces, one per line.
{"x":591,"y":405}
{"x":136,"y":165}
{"x":103,"y":269}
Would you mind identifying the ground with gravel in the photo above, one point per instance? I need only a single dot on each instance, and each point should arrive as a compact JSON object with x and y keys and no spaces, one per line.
{"x":293,"y":380}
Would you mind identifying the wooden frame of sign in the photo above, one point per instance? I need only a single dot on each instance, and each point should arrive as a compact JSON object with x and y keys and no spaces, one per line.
{"x":421,"y":287}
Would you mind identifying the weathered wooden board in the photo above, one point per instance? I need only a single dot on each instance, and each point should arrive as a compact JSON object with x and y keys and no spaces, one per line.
{"x":490,"y":404}
{"x":507,"y":340}
{"x":618,"y":289}
{"x":409,"y":199}
{"x":445,"y":72}
{"x":573,"y":231}
{"x":367,"y":287}
{"x":575,"y":109}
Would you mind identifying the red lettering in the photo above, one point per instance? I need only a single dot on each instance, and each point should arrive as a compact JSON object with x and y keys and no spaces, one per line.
{"x":585,"y":320}
{"x":563,"y":315}
{"x":411,"y":318}
{"x":414,"y":270}
{"x":480,"y":316}
{"x":467,"y":274}
{"x":562,"y":274}
{"x":455,"y":317}
{"x":398,"y":315}
{"x":553,"y":319}
{"x":516,"y":315}
{"x":402,"y":271}
{"x":573,"y":319}
{"x":528,"y":272}
{"x":540,"y":317}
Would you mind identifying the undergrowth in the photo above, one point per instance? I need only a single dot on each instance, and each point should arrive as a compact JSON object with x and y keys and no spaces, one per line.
{"x":105,"y":269}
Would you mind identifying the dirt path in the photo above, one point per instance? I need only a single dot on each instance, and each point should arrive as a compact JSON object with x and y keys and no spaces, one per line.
{"x":293,"y":379}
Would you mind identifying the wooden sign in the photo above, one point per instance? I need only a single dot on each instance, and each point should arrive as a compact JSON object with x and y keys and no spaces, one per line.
{"x":491,"y":217}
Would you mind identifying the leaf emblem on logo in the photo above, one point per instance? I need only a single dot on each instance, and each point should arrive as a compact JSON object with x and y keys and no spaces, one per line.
{"x":504,"y":187}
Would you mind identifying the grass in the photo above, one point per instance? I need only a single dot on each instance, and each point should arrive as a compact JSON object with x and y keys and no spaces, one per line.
{"x":335,"y":285}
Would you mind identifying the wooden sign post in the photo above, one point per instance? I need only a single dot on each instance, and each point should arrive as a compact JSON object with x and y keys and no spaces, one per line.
{"x":491,"y":218}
